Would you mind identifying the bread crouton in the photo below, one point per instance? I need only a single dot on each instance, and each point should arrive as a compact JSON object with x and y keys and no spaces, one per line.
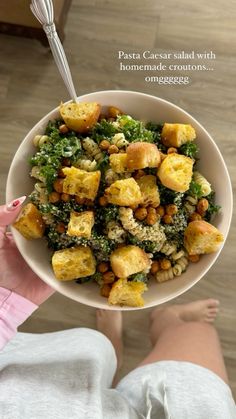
{"x":30,"y":222}
{"x":141,"y":155}
{"x":73,"y":263}
{"x":81,"y":183}
{"x":124,"y":192}
{"x":118,"y":162}
{"x":175,"y":172}
{"x":127,"y":293}
{"x":174,"y":135}
{"x":149,"y":190}
{"x":128,"y":260}
{"x":80,"y":224}
{"x":202,"y":237}
{"x":80,"y":117}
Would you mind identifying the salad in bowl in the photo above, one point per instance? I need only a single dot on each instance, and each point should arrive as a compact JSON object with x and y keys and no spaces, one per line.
{"x":121,"y":203}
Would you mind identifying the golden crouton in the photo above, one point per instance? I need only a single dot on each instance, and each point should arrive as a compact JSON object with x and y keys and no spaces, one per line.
{"x":81,"y":183}
{"x":176,"y":172}
{"x":128,"y":260}
{"x":149,"y":190}
{"x":141,"y":155}
{"x":73,"y":263}
{"x":30,"y":223}
{"x":202,"y":237}
{"x":127,"y":293}
{"x":118,"y":162}
{"x":174,"y":135}
{"x":80,"y":117}
{"x":81,"y":224}
{"x":124,"y":192}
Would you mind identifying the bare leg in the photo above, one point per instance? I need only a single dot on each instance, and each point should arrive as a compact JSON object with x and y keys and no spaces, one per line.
{"x":109,"y":323}
{"x":185,"y":333}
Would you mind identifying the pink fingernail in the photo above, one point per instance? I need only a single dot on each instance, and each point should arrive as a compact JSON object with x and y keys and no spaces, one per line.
{"x":15,"y":203}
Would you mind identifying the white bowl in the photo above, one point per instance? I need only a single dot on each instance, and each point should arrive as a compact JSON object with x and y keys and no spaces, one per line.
{"x":147,"y":108}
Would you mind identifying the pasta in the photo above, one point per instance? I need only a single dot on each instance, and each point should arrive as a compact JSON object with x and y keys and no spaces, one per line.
{"x":39,"y":140}
{"x":35,"y":172}
{"x":180,"y":266}
{"x":153,"y":233}
{"x":190,"y":204}
{"x":168,"y":248}
{"x":119,"y":140}
{"x":176,"y":270}
{"x":165,"y":275}
{"x":92,"y":149}
{"x":116,"y":232}
{"x":111,"y":176}
{"x":86,"y":164}
{"x":201,"y":180}
{"x":40,"y":193}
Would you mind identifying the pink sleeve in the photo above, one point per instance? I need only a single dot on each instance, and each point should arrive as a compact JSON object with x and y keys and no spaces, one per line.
{"x":14,"y":310}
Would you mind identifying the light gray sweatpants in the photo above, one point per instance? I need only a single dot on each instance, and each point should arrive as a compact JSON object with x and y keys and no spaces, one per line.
{"x":68,"y":375}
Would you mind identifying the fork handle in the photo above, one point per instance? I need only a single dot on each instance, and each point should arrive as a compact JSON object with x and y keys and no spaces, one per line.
{"x":43,"y":11}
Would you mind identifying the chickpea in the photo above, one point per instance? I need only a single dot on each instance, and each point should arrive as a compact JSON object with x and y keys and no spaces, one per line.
{"x":79,"y":200}
{"x":58,"y":185}
{"x":60,"y":228}
{"x":103,"y":267}
{"x":151,"y":219}
{"x":103,"y":201}
{"x":140,"y":173}
{"x":61,"y":174}
{"x":104,"y":145}
{"x":155,"y":267}
{"x":195,"y":216}
{"x":160,"y":210}
{"x":140,"y":213}
{"x":151,"y":210}
{"x":105,"y":290}
{"x":193,"y":258}
{"x":172,"y":150}
{"x":66,"y":161}
{"x":108,"y":277}
{"x":167,"y":219}
{"x":65,"y":197}
{"x":133,"y":207}
{"x":113,"y":112}
{"x":165,"y":264}
{"x":63,"y":129}
{"x":171,"y":209}
{"x":202,"y":206}
{"x":89,"y":202}
{"x":113,"y":149}
{"x":54,"y":197}
{"x":155,"y":205}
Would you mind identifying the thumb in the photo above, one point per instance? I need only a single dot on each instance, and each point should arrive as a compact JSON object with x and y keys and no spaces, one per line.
{"x":8,"y":214}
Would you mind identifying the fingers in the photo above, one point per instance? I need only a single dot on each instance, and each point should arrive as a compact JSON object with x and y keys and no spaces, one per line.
{"x":8,"y":213}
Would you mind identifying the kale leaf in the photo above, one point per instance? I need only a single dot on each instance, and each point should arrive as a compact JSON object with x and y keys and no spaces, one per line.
{"x":189,"y":149}
{"x":103,"y":130}
{"x":134,"y":130}
{"x":167,"y":196}
{"x":195,"y":189}
{"x":212,"y":208}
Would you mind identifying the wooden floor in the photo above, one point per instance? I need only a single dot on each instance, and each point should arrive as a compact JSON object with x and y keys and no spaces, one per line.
{"x":96,"y":30}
